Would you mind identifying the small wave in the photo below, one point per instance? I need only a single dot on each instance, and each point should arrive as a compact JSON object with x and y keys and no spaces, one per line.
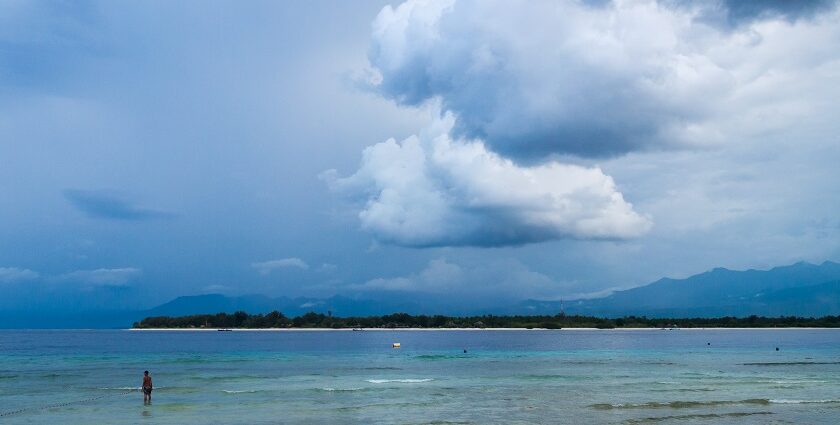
{"x":785,"y":401}
{"x":439,"y":356}
{"x":678,"y":404}
{"x":176,"y":407}
{"x":683,"y":390}
{"x":387,"y":405}
{"x":201,"y":360}
{"x":798,"y":382}
{"x":340,"y":390}
{"x":694,"y":416}
{"x":238,"y":391}
{"x":399,"y":381}
{"x":126,"y":388}
{"x":225,"y":377}
{"x":543,"y":377}
{"x":586,"y":362}
{"x":787,"y":363}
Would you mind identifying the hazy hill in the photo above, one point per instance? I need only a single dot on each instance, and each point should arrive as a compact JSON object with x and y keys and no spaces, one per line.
{"x":801,"y":289}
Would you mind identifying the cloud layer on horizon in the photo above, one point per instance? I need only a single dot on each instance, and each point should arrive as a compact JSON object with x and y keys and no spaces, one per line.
{"x":16,"y":274}
{"x":266,"y":267}
{"x":507,"y":278}
{"x":102,"y":277}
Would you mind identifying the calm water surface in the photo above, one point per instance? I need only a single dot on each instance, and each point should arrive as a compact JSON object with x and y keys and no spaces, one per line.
{"x":552,"y":377}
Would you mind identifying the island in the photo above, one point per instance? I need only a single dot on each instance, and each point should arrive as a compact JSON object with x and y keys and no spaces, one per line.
{"x":312,"y":320}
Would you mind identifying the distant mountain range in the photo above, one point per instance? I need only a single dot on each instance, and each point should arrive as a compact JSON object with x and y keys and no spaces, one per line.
{"x":801,"y":289}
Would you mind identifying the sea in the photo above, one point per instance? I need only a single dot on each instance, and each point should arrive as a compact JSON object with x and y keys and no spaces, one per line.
{"x":678,"y":376}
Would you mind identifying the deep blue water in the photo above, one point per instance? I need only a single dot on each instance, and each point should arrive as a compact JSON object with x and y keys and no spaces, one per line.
{"x":562,"y":376}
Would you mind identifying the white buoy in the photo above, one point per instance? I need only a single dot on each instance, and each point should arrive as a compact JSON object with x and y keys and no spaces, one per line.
{"x":395,"y":345}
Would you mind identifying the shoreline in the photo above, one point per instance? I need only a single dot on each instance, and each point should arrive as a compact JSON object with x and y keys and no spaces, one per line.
{"x":453,"y":329}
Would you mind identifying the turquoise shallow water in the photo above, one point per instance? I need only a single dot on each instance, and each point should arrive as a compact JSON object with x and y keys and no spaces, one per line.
{"x":557,"y":377}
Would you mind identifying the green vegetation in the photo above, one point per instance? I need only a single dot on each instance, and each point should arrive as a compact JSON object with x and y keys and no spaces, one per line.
{"x":276,"y":319}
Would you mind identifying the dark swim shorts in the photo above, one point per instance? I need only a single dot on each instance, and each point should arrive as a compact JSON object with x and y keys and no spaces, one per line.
{"x":147,"y":390}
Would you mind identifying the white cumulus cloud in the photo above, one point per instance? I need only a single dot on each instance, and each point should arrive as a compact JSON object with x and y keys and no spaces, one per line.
{"x":103,"y":277}
{"x":431,"y":190}
{"x":14,"y":274}
{"x":266,"y":267}
{"x":524,"y":85}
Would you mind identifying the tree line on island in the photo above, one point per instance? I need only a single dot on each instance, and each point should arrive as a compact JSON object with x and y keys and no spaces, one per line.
{"x":276,"y":319}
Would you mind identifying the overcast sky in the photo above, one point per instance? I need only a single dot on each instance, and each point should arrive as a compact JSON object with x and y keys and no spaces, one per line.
{"x":496,"y":149}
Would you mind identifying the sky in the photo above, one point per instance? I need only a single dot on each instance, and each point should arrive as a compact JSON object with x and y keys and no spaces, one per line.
{"x":487,"y":150}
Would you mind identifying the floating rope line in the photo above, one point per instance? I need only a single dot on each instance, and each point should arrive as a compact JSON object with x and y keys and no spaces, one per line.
{"x":54,"y":406}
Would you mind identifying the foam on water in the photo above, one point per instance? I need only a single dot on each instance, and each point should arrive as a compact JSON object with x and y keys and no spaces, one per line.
{"x":400,"y":381}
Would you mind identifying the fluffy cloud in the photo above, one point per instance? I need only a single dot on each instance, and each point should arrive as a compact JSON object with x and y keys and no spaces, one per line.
{"x":14,"y":274}
{"x":267,"y":267}
{"x":102,"y":277}
{"x":538,"y":78}
{"x":438,"y":276}
{"x":505,"y":278}
{"x":431,"y":190}
{"x":524,"y":85}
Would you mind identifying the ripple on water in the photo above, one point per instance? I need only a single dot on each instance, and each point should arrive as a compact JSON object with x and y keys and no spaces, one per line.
{"x":432,"y":357}
{"x":683,"y":390}
{"x":342,"y":390}
{"x":803,"y":363}
{"x":219,"y":378}
{"x":547,"y":377}
{"x":678,"y":404}
{"x":655,"y":419}
{"x":689,"y":404}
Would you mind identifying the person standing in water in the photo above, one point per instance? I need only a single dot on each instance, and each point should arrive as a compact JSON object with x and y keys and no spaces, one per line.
{"x":147,"y":388}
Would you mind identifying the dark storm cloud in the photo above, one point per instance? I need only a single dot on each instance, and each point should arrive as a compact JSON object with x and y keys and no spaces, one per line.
{"x":535,"y":79}
{"x":107,"y":205}
{"x":738,"y":12}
